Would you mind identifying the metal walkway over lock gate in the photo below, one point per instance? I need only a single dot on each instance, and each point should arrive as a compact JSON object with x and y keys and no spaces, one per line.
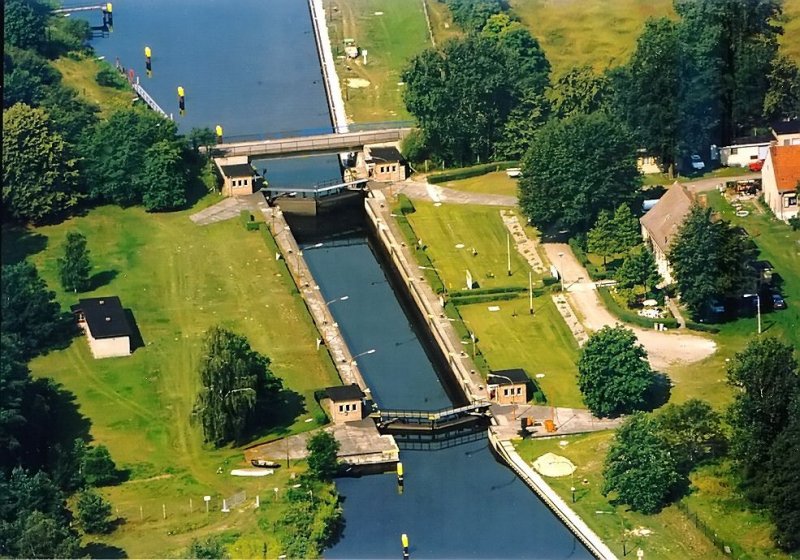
{"x":423,"y":421}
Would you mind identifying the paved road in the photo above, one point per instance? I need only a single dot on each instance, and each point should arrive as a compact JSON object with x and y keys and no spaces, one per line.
{"x":426,"y":191}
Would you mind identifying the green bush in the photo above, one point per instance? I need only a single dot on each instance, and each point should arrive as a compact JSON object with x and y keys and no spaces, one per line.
{"x":109,"y":77}
{"x":467,"y":172}
{"x":701,"y":327}
{"x":549,"y":280}
{"x":405,"y":205}
{"x":482,"y":291}
{"x":413,"y":146}
{"x":251,"y":226}
{"x":482,"y":298}
{"x":629,"y":316}
{"x":538,"y":397}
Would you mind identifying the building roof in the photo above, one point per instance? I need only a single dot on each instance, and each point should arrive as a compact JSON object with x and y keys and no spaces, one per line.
{"x":384,"y":153}
{"x":751,"y":140}
{"x":238,"y":170}
{"x":786,"y":127}
{"x":663,"y":220}
{"x":104,"y":316}
{"x":786,"y":163}
{"x":344,"y":393}
{"x":515,"y":375}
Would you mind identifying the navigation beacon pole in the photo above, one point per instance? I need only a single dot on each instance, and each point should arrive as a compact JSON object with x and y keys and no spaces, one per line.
{"x":400,"y":481}
{"x":181,"y":100}
{"x":219,"y":134}
{"x":147,"y":61}
{"x":108,"y":16}
{"x":404,"y":540}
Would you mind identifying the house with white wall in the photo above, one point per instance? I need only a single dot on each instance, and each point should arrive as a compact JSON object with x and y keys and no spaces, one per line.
{"x":744,"y":151}
{"x":787,"y":133}
{"x":780,"y":179}
{"x":662,"y":222}
{"x":106,"y":326}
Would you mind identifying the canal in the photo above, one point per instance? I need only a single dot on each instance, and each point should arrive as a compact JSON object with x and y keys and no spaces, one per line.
{"x":252,"y":66}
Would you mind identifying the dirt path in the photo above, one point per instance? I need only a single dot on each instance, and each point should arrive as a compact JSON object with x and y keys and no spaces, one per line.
{"x":665,"y":349}
{"x":426,"y":191}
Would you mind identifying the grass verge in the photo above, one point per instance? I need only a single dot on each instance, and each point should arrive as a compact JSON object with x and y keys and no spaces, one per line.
{"x":80,"y":74}
{"x":497,"y":182}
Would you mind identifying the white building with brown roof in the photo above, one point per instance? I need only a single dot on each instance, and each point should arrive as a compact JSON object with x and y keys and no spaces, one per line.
{"x":661,"y":224}
{"x":780,"y":179}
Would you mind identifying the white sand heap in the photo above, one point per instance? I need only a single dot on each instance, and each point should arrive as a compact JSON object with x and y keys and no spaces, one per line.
{"x":553,"y":465}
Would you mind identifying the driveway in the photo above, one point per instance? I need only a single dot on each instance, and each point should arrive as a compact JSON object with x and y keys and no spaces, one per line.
{"x":664,"y":349}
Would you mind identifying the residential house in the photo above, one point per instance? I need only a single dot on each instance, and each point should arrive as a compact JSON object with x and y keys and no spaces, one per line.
{"x":106,"y":326}
{"x":382,"y":162}
{"x":508,"y":386}
{"x":344,"y":403}
{"x":780,"y":178}
{"x":661,"y":223}
{"x":787,"y":133}
{"x":744,"y":151}
{"x":238,"y":176}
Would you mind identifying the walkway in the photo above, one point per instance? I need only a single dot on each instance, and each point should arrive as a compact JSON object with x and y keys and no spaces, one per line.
{"x":417,"y":190}
{"x":664,"y":349}
{"x":227,"y":208}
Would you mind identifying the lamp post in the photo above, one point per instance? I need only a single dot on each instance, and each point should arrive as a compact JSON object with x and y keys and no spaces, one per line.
{"x":561,"y":269}
{"x":370,"y":351}
{"x":530,"y":292}
{"x":508,"y":253}
{"x":758,"y":308}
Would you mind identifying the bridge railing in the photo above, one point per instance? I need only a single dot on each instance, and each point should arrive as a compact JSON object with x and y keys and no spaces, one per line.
{"x":317,"y":131}
{"x":431,"y":415}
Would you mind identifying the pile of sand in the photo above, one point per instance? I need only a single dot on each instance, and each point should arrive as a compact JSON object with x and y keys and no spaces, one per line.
{"x":553,"y":465}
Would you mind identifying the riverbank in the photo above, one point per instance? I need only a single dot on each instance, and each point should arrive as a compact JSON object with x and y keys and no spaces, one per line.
{"x":330,"y":78}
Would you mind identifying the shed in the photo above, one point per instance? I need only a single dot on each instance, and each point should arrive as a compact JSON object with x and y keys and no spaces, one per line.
{"x":106,"y":326}
{"x":345,"y":403}
{"x":508,"y":386}
{"x":238,"y":176}
{"x":384,"y":162}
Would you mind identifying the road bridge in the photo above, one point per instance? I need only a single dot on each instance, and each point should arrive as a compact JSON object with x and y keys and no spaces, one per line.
{"x":310,"y":145}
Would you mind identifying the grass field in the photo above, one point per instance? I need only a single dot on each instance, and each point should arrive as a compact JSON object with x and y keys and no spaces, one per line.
{"x":497,"y":182}
{"x":673,"y":534}
{"x":80,"y":75}
{"x":178,"y":279}
{"x":391,"y":31}
{"x":452,"y":231}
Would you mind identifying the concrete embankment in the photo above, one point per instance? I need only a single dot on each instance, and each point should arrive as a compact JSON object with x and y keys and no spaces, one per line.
{"x":463,"y":370}
{"x":326,"y":325}
{"x":332,"y":88}
{"x":505,"y":449}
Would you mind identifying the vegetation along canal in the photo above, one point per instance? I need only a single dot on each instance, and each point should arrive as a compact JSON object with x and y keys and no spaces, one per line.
{"x":251,"y":66}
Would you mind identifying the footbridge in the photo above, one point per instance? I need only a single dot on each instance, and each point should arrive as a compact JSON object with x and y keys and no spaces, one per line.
{"x":423,"y":421}
{"x":310,"y":145}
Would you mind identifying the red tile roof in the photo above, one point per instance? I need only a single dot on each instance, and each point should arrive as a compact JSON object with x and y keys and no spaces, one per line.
{"x":786,"y":163}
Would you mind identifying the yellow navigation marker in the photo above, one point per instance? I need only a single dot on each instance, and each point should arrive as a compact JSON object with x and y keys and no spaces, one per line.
{"x":147,"y":52}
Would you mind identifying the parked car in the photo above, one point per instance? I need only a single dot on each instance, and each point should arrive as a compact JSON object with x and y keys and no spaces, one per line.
{"x":778,"y":302}
{"x":756,"y":165}
{"x":697,"y":163}
{"x":716,"y":306}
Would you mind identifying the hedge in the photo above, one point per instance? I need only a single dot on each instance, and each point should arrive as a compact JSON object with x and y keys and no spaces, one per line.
{"x":594,"y":271}
{"x":482,"y":298}
{"x":691,"y":325}
{"x":405,"y":204}
{"x":482,"y":291}
{"x":629,"y":316}
{"x":467,"y":172}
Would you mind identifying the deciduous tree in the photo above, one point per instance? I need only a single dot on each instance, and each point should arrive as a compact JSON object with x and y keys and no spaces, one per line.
{"x":613,"y":373}
{"x":323,"y":462}
{"x":163,"y":179}
{"x":783,"y":497}
{"x":639,"y":469}
{"x":601,"y":239}
{"x":578,"y":91}
{"x":577,"y":168}
{"x":692,"y":432}
{"x":782,"y":100}
{"x":39,"y":172}
{"x":237,"y":383}
{"x":24,"y":23}
{"x":74,"y":266}
{"x":638,"y":269}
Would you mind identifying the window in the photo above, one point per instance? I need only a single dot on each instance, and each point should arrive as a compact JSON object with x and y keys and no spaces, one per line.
{"x":505,"y":392}
{"x":754,"y":157}
{"x":394,"y":168}
{"x":519,"y":390}
{"x":341,"y":408}
{"x":734,"y":151}
{"x":789,"y":200}
{"x":246,"y":181}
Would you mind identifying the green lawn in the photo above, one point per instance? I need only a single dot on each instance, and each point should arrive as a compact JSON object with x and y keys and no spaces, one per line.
{"x":540,"y":343}
{"x":451,"y":231}
{"x":391,"y":31}
{"x":178,"y":279}
{"x":496,"y":182}
{"x":80,"y":76}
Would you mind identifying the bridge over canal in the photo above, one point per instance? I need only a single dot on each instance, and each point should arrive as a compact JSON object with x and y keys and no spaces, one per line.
{"x":423,"y":421}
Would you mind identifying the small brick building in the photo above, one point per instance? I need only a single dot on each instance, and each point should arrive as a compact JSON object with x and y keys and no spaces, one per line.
{"x":238,"y":176}
{"x":508,"y":386}
{"x":383,"y":162}
{"x":344,"y":403}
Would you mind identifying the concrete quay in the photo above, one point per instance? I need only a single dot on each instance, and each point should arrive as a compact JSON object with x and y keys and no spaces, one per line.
{"x":315,"y":302}
{"x":465,"y":373}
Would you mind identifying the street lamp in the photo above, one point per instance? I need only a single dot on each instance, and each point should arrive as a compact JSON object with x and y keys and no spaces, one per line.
{"x":315,"y":246}
{"x":561,"y":269}
{"x":370,"y":351}
{"x":758,"y":308}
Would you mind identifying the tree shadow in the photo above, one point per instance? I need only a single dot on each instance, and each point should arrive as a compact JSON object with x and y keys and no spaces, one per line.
{"x":658,"y":393}
{"x":103,"y":550}
{"x":102,"y":278}
{"x":136,"y":335}
{"x":19,"y":243}
{"x":279,"y":414}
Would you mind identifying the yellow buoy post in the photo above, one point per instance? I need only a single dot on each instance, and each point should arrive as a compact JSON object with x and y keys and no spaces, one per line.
{"x":404,"y":540}
{"x":147,"y":60}
{"x":181,"y":99}
{"x":108,"y":15}
{"x":400,"y":473}
{"x":219,"y":134}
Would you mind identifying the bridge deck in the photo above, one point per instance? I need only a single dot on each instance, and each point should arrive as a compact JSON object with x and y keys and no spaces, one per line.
{"x":321,"y":143}
{"x":432,"y":416}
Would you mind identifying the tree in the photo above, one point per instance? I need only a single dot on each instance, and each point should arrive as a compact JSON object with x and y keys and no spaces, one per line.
{"x":638,"y":269}
{"x":163,"y":179}
{"x":24,"y":23}
{"x":627,"y":230}
{"x":472,"y":15}
{"x":74,"y":266}
{"x":323,"y":462}
{"x":783,"y":499}
{"x":94,"y":513}
{"x":208,"y":548}
{"x":97,"y":466}
{"x":710,"y":259}
{"x":576,"y":168}
{"x":692,"y":432}
{"x":601,"y":239}
{"x":578,"y":91}
{"x":638,"y":467}
{"x":237,"y":384}
{"x":14,"y":377}
{"x":613,"y":373}
{"x":201,"y":137}
{"x":782,"y":100}
{"x":39,"y":173}
{"x":28,"y":309}
{"x":766,"y":374}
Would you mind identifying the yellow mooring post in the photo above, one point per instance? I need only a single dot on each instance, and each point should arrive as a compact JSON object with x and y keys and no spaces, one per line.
{"x":404,"y":540}
{"x":399,"y":477}
{"x":181,"y":99}
{"x":219,"y":134}
{"x":147,"y":61}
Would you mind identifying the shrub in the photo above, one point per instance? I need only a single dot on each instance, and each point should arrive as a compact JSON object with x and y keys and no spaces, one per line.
{"x":483,"y":291}
{"x":701,"y":327}
{"x":467,"y":172}
{"x":109,"y":77}
{"x":405,"y":204}
{"x":413,"y":146}
{"x":482,"y":298}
